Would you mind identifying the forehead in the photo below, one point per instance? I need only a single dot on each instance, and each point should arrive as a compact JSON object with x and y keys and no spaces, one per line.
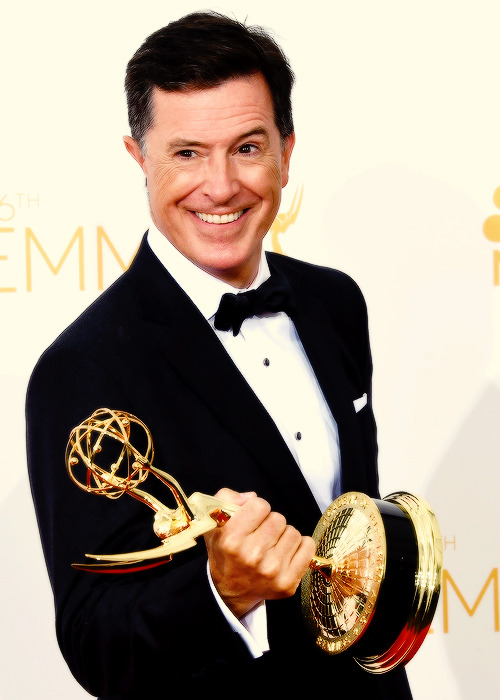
{"x":237,"y":104}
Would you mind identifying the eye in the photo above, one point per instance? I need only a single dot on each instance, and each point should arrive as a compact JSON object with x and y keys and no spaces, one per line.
{"x":186,"y":154}
{"x":247,"y":148}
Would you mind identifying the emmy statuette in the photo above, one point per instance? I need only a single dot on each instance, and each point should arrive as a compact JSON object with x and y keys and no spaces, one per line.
{"x":374,"y":581}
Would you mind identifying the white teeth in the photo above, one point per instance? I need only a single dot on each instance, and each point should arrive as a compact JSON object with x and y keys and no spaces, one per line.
{"x":219,"y":219}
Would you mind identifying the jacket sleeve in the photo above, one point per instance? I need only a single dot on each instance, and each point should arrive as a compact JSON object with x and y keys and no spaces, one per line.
{"x":126,"y":632}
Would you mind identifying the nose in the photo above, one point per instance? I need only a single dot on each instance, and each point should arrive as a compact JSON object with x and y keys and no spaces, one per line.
{"x":220,"y":182}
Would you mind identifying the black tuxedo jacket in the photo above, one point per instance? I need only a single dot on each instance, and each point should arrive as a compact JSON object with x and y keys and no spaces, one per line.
{"x":143,"y":347}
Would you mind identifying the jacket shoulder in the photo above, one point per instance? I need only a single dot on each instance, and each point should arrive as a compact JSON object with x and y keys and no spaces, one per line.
{"x":110,"y":315}
{"x":326,"y":282}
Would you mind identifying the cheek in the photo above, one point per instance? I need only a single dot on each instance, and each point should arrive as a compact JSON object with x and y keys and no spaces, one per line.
{"x":170,"y":184}
{"x":274,"y":179}
{"x":266,"y":180}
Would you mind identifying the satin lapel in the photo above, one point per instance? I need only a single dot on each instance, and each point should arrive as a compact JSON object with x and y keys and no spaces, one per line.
{"x":195,"y":353}
{"x":328,"y":360}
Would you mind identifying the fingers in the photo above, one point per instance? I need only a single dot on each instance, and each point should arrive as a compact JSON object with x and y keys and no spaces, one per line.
{"x":252,"y":524}
{"x":256,"y":555}
{"x":235,"y":497}
{"x":297,"y":563}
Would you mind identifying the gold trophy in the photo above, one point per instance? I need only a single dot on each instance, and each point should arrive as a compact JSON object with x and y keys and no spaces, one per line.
{"x":374,"y":581}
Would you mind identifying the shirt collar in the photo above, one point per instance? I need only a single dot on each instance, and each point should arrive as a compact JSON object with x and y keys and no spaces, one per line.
{"x":204,"y":290}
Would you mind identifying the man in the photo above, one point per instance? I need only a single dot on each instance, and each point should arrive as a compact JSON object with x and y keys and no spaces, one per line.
{"x":272,"y":412}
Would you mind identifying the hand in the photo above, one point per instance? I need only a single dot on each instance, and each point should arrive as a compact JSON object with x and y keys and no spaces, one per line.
{"x":256,"y":556}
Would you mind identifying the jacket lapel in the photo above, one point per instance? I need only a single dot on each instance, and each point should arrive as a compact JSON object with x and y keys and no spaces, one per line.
{"x":329,"y":359}
{"x":193,"y":350}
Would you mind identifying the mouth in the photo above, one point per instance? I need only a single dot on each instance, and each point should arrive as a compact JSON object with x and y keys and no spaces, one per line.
{"x":220,"y":218}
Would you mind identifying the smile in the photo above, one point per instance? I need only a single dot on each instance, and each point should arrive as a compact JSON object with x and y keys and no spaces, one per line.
{"x":220,"y":218}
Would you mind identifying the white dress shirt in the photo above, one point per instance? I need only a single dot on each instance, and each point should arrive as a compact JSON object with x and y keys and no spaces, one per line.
{"x":270,"y":356}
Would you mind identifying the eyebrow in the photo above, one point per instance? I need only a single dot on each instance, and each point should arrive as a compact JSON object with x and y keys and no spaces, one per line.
{"x":185,"y":144}
{"x":258,"y":131}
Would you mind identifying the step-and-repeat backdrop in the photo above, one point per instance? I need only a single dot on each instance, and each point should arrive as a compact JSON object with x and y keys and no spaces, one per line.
{"x":395,"y":179}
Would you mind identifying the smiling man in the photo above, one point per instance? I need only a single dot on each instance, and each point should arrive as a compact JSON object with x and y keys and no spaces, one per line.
{"x":215,"y":163}
{"x":253,"y":373}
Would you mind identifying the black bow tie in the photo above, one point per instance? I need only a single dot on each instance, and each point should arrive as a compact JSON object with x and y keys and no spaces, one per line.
{"x":273,"y":295}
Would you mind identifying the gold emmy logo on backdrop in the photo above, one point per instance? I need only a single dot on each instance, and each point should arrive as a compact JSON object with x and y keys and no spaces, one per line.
{"x":375,"y":578}
{"x":284,"y":220}
{"x":491,"y":230}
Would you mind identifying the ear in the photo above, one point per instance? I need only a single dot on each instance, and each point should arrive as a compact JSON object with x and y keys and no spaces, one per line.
{"x":134,"y":149}
{"x":286,"y":154}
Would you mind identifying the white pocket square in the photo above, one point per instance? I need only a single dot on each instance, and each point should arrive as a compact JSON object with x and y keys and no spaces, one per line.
{"x":360,"y":403}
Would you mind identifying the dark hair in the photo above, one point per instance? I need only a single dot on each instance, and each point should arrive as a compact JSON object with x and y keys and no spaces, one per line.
{"x":199,"y":51}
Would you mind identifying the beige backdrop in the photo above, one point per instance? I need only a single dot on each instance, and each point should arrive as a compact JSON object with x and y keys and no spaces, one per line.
{"x":398,"y":160}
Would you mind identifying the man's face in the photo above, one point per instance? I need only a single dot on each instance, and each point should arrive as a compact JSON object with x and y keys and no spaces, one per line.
{"x":215,"y":165}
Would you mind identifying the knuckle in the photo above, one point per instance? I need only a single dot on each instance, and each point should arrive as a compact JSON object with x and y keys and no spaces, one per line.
{"x":278,"y":521}
{"x":260,"y":506}
{"x":285,"y":587}
{"x":293,"y":533}
{"x":270,"y":570}
{"x":230,"y":544}
{"x":226,"y":494}
{"x":256,"y":556}
{"x":310,"y":544}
